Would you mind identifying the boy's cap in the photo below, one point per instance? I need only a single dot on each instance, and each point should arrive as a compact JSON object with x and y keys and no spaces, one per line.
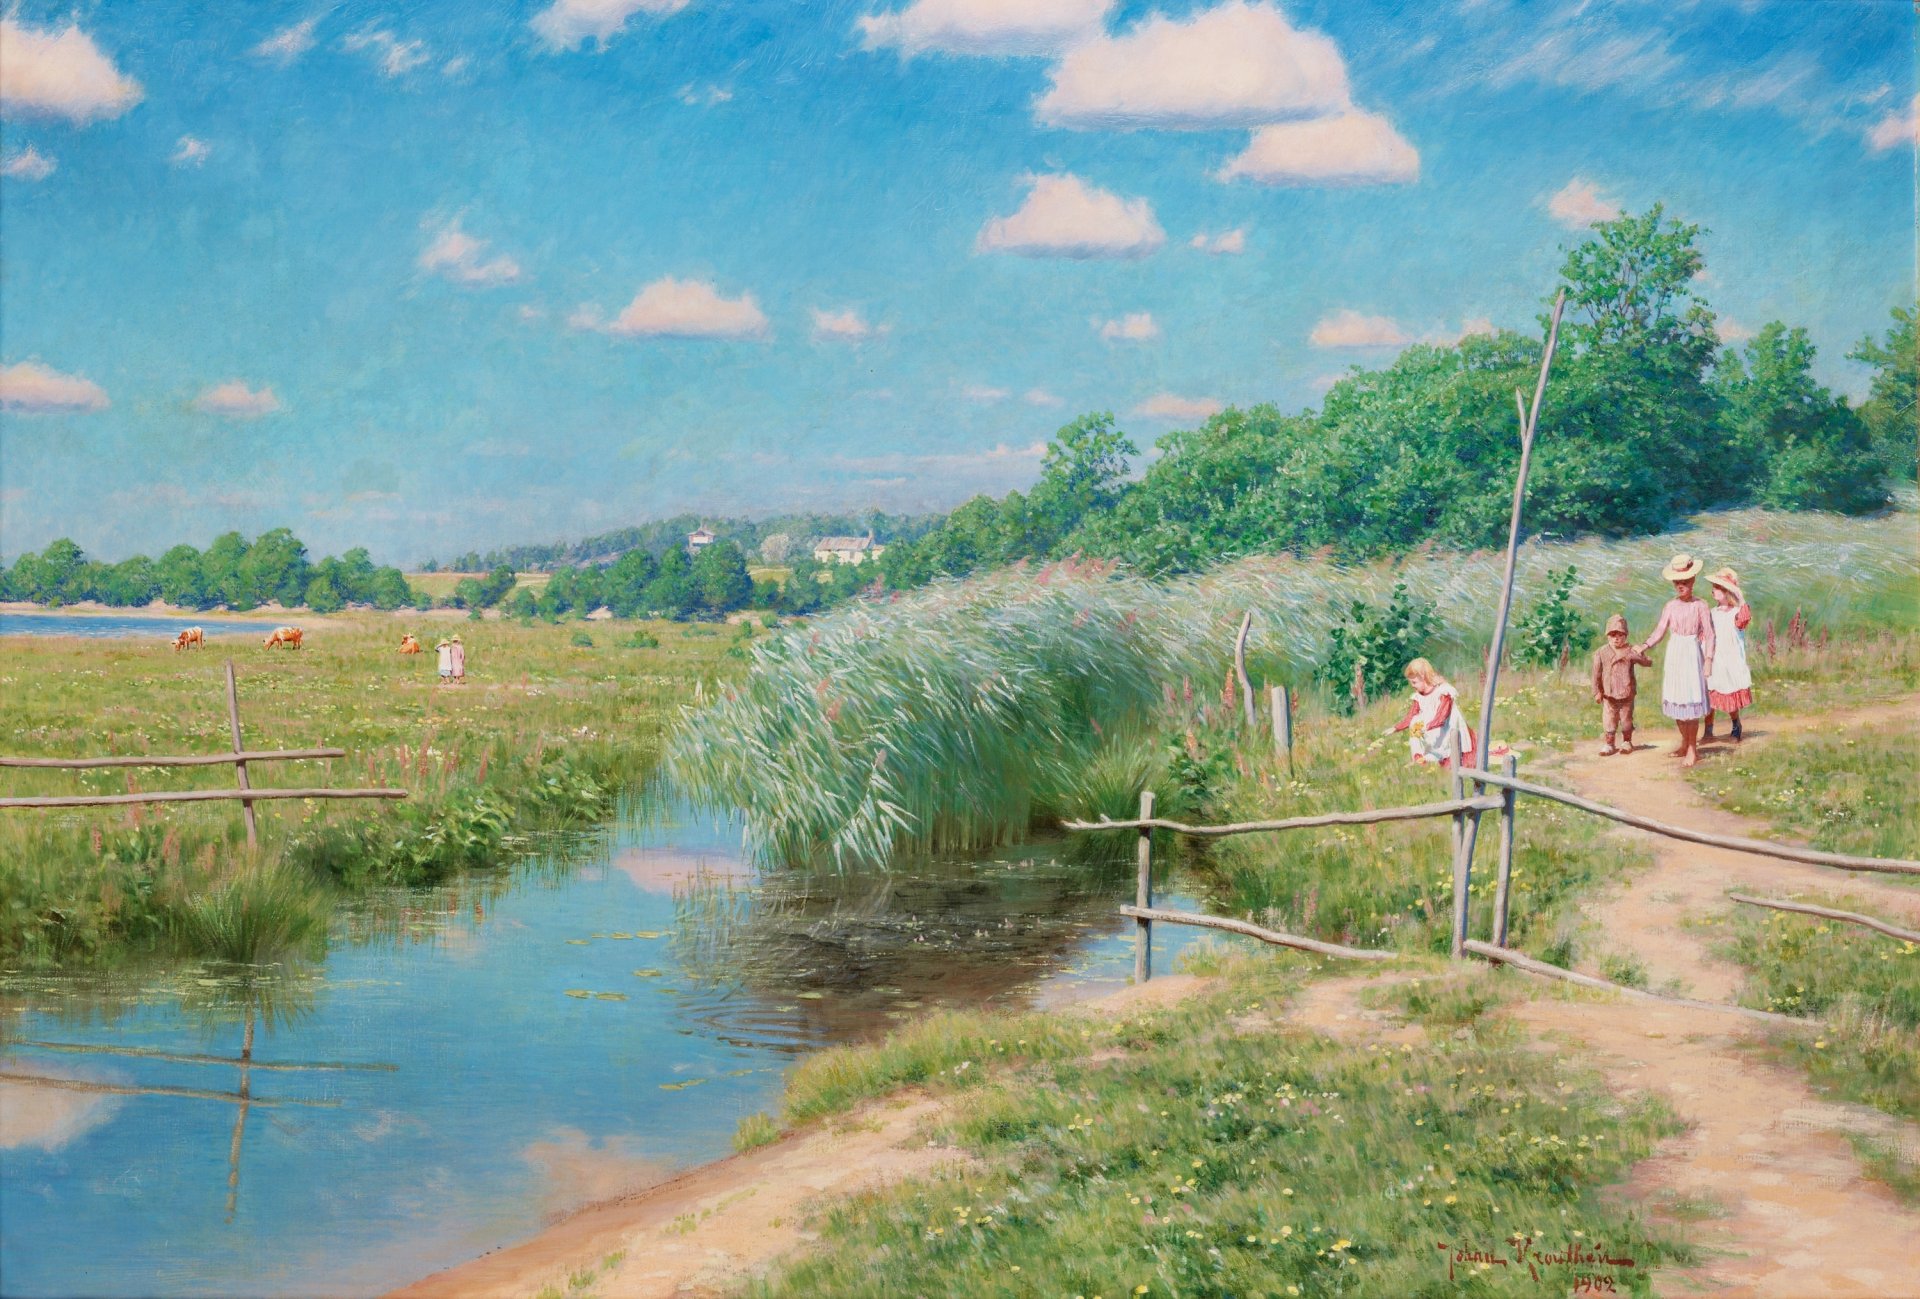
{"x":1617,"y":623}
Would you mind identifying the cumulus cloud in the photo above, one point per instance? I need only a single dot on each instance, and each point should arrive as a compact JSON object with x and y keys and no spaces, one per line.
{"x":1134,"y":327}
{"x":672,"y":308}
{"x":1349,"y":328}
{"x":988,"y":27}
{"x":190,"y":152}
{"x":237,"y":401}
{"x":458,"y":256}
{"x":847,"y":325}
{"x":33,"y":388}
{"x":1351,"y":148}
{"x":289,"y":43}
{"x":1169,"y":406}
{"x":1896,"y":128}
{"x":568,"y":24}
{"x":1228,"y":243}
{"x":60,"y":73}
{"x":1579,"y":204}
{"x":1238,"y":64}
{"x":28,"y":164}
{"x":392,"y":55}
{"x":1063,"y":216}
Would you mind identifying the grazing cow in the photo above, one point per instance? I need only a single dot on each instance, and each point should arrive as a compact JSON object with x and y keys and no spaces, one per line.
{"x":287,"y":636}
{"x":408,"y":645}
{"x":191,"y":637}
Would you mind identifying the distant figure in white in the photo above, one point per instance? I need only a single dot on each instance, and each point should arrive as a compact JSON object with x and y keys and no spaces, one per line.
{"x":444,"y":652}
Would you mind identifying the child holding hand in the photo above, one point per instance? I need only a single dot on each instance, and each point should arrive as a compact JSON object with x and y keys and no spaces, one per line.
{"x":1614,"y":686}
{"x":1730,"y":684}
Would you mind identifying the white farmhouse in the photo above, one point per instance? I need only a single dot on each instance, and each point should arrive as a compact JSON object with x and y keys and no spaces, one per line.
{"x":698,"y":540}
{"x":848,"y":550}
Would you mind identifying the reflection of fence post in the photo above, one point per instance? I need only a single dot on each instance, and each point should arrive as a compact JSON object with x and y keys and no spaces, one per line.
{"x":240,"y":767}
{"x":1462,"y":863}
{"x":1281,"y":700}
{"x":1500,"y":896}
{"x":1143,"y":895}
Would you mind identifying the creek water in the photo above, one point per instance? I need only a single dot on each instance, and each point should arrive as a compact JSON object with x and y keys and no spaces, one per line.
{"x":114,"y":625}
{"x":520,"y":1044}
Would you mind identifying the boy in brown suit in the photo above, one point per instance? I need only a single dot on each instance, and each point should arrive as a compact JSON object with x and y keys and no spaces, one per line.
{"x":1613,"y":684}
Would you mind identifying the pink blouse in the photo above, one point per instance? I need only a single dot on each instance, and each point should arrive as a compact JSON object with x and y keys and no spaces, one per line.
{"x":1685,"y":618}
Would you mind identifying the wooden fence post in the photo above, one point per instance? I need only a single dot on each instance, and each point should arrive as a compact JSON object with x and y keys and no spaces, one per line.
{"x":1143,"y":895}
{"x":1281,"y":700}
{"x":1360,"y":687}
{"x":1462,"y":862}
{"x":1247,"y":709}
{"x":1501,"y":895}
{"x":240,"y":767}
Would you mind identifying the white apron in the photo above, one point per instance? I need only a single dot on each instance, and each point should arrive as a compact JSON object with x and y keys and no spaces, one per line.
{"x":1683,"y":686}
{"x":1730,"y":672}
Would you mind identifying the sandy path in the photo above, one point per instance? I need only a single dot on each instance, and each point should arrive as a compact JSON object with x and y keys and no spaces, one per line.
{"x":1796,"y":1215}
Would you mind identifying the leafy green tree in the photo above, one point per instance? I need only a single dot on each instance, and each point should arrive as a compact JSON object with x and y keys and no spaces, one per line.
{"x":181,"y":579}
{"x":132,"y":581}
{"x":466,"y":594}
{"x":353,"y":576}
{"x":1812,"y":450}
{"x":1083,"y":472}
{"x":520,"y":604}
{"x":224,"y":583}
{"x":720,"y":574}
{"x":626,"y":582}
{"x":276,"y":568}
{"x":389,"y":589}
{"x":1890,"y":410}
{"x":322,"y":596}
{"x":672,"y":593}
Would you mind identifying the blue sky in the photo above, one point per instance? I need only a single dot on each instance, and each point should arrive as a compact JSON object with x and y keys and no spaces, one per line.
{"x":430,"y":276}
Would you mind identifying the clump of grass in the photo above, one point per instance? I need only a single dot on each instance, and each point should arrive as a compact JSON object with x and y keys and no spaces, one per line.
{"x":1884,"y":1162}
{"x":1445,"y":1002}
{"x":262,"y":915}
{"x":1254,"y":1162}
{"x":754,"y":1131}
{"x":1628,"y":971}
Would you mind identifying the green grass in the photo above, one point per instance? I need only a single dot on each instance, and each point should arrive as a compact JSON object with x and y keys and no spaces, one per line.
{"x":1202,"y":1156}
{"x":542,"y":738}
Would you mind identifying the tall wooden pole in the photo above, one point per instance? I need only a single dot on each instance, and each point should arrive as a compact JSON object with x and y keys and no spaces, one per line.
{"x":1143,"y":895}
{"x":1502,"y":891}
{"x":1529,"y":422}
{"x":1462,"y":861}
{"x":240,"y":766}
{"x":1240,"y":670}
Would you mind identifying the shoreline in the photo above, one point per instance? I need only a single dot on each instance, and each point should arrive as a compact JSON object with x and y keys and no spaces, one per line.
{"x":714,"y":1224}
{"x":264,"y":614}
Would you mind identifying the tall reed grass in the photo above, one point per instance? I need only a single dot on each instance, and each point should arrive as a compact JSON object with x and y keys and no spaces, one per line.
{"x":958,"y":716}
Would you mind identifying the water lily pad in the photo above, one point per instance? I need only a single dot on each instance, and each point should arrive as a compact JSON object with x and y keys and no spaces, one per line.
{"x":577,"y":942}
{"x":681,"y":1086}
{"x":578,"y":992}
{"x":620,"y":935}
{"x":648,"y":973}
{"x":611,"y":996}
{"x":650,"y":933}
{"x":810,"y":995}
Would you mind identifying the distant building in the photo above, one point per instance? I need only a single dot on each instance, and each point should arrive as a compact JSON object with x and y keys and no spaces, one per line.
{"x":698,"y":540}
{"x":847,"y":550}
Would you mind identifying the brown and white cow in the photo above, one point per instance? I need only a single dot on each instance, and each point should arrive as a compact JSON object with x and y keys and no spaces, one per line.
{"x":408,"y":645}
{"x":190,"y":638}
{"x":287,"y":636}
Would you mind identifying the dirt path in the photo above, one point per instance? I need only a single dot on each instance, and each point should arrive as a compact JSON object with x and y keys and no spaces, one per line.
{"x":1796,"y":1215}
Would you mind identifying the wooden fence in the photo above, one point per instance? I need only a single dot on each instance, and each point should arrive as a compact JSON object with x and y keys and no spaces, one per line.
{"x":238,"y":759}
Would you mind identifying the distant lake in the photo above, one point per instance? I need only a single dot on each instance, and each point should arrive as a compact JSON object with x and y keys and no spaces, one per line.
{"x":118,"y":625}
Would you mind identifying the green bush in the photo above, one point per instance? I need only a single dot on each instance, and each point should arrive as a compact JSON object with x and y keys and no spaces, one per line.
{"x":642,"y":640}
{"x":1376,"y":642}
{"x":580,"y":640}
{"x":1551,"y":627}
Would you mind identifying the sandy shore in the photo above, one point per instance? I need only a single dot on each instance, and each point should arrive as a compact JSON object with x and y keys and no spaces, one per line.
{"x":718,"y":1224}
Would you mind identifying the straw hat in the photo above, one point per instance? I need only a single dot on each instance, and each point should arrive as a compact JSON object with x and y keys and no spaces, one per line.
{"x":1617,"y":623}
{"x":456,"y":640}
{"x":1728,"y":581}
{"x":1682,"y":568}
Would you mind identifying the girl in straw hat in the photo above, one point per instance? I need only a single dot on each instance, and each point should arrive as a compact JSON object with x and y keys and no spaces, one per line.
{"x":1730,"y":684}
{"x":1683,"y":684}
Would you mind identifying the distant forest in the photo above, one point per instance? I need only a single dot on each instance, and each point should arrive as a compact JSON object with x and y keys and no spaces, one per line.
{"x":1649,"y":416}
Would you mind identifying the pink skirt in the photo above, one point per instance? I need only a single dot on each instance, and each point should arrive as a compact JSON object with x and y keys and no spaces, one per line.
{"x":1732,"y":703}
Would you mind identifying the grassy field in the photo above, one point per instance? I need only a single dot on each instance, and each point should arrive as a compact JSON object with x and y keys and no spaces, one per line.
{"x":1214,"y":1149}
{"x":543,"y":736}
{"x":440,"y":585}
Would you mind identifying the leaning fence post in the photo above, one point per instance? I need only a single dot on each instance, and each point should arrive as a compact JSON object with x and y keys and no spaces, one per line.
{"x":1281,"y":700}
{"x":1500,"y":896}
{"x":240,"y":767}
{"x":1462,"y":863}
{"x":1143,"y":895}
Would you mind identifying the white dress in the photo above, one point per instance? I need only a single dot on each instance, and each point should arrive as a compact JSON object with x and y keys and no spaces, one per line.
{"x":1731,"y":682}
{"x":1430,"y":743}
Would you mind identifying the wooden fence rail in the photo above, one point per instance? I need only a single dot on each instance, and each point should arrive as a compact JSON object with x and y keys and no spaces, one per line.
{"x":1828,"y":913}
{"x":1273,"y":936}
{"x":195,"y":796}
{"x":182,"y":760}
{"x":1366,"y":817}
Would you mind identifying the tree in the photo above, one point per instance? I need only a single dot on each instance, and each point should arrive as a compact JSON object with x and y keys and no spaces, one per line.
{"x":323,"y":596}
{"x":720,"y":575}
{"x":132,"y":581}
{"x":1889,"y":412}
{"x":775,"y":547}
{"x":672,"y":593}
{"x":389,"y":589}
{"x":223,"y":582}
{"x":276,"y":568}
{"x":1811,"y":450}
{"x":1083,"y":472}
{"x":181,"y":580}
{"x":625,"y":583}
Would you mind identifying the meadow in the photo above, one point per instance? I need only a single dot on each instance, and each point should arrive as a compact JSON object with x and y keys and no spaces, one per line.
{"x":552,"y":724}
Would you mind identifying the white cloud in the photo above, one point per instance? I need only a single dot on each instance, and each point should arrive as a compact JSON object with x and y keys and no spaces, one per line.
{"x":691,"y":95}
{"x":1579,"y":204}
{"x":906,"y":462}
{"x":1238,"y":64}
{"x":453,"y":67}
{"x":1732,"y":331}
{"x":237,"y":401}
{"x":568,"y":24}
{"x":847,"y":325}
{"x":1896,"y":128}
{"x":190,"y":152}
{"x":1041,"y":397}
{"x":289,"y":43}
{"x":460,"y":257}
{"x":671,"y":308}
{"x":1168,"y":406}
{"x":1348,"y":328}
{"x":1134,"y":327}
{"x":61,"y":74}
{"x":988,"y":27}
{"x":1228,"y":243}
{"x":28,"y":164}
{"x":1063,"y":216}
{"x":394,"y":56}
{"x":980,"y":392}
{"x":34,"y":388}
{"x":1353,"y":148}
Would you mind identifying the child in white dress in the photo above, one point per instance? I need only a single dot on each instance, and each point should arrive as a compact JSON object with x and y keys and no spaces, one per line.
{"x":1730,"y":684}
{"x":1683,"y":680}
{"x":1433,"y":718}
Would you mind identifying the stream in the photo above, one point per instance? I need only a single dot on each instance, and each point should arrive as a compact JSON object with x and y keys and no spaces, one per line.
{"x":478,"y":1058}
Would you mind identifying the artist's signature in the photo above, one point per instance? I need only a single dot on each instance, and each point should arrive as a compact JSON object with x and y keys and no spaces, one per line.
{"x":1586,"y":1261}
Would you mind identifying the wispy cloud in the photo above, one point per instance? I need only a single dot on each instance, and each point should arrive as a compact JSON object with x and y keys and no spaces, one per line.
{"x":191,"y":151}
{"x":693,"y":95}
{"x":61,"y":73}
{"x":289,"y":43}
{"x":458,"y":256}
{"x":390,"y":54}
{"x":568,"y":24}
{"x":1579,"y":204}
{"x":984,"y":27}
{"x":235,"y":400}
{"x":1227,"y":243}
{"x":1041,"y":397}
{"x":846,"y":325}
{"x":1063,"y":216}
{"x":32,"y":388}
{"x":1168,"y":406}
{"x":984,"y":393}
{"x":1350,"y":328}
{"x":1896,"y":128}
{"x":1134,"y":327}
{"x":28,"y":164}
